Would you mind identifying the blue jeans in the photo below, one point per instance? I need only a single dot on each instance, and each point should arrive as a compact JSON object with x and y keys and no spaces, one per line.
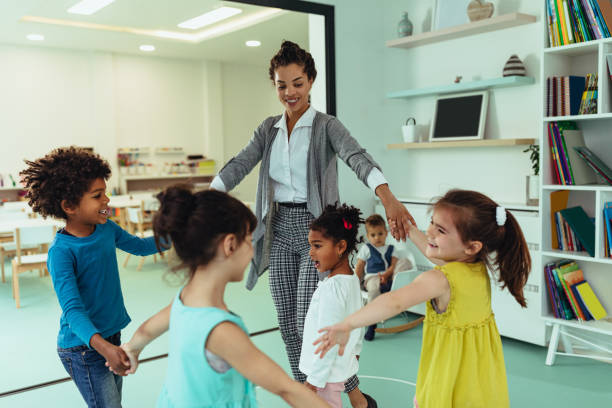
{"x":99,"y":387}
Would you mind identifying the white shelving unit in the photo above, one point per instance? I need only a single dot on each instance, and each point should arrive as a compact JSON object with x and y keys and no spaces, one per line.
{"x":592,"y":339}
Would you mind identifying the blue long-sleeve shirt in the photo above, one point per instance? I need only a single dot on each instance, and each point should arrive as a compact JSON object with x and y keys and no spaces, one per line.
{"x":86,"y":279}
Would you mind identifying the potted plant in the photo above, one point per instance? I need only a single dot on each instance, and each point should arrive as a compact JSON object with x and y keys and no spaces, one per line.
{"x":533,"y":180}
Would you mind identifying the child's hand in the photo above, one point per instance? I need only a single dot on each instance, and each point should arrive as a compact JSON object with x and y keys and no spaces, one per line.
{"x":117,"y":360}
{"x":336,"y":334}
{"x":383,"y":279}
{"x":133,"y":355}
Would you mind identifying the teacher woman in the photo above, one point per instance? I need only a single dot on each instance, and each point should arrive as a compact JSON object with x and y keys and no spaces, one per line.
{"x":298,"y":177}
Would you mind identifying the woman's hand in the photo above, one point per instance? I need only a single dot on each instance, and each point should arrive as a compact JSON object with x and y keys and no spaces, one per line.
{"x":398,"y":216}
{"x":336,"y":334}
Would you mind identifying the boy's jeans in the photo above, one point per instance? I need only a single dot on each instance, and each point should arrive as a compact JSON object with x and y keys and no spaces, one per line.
{"x":99,"y":387}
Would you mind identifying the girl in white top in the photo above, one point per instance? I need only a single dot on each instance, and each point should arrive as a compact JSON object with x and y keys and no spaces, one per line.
{"x":332,"y":238}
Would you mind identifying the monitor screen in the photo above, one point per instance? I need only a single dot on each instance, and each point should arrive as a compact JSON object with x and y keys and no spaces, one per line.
{"x":459,"y":117}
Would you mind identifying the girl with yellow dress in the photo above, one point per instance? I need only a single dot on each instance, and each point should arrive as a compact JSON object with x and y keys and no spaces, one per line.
{"x":462,"y":362}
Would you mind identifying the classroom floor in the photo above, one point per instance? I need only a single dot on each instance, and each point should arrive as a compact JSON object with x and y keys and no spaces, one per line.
{"x":388,"y":366}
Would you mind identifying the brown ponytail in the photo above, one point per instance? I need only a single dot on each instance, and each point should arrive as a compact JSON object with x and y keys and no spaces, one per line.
{"x":504,"y":248}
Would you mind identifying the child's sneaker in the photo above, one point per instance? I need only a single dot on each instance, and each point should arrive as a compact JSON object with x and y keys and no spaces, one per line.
{"x":369,"y":335}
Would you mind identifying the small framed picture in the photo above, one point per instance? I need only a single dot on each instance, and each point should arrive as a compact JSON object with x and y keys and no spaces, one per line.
{"x":449,"y":13}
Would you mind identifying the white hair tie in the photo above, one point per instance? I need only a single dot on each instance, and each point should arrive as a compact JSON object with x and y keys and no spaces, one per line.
{"x":500,"y":216}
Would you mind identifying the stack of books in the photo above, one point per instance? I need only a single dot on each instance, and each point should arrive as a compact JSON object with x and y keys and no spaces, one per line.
{"x":572,"y":162}
{"x":607,"y":221}
{"x":571,"y":95}
{"x":574,"y":21}
{"x":575,"y":230}
{"x":570,"y":295}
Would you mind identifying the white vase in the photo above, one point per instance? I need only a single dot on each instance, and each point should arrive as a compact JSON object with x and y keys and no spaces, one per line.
{"x":533,"y":189}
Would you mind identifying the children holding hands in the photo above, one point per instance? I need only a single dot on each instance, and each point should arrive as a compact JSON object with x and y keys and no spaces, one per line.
{"x":462,"y":362}
{"x":70,"y":184}
{"x":212,"y":361}
{"x":378,"y":262}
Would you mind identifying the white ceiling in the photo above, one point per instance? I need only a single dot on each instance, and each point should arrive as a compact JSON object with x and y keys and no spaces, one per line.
{"x":127,"y":15}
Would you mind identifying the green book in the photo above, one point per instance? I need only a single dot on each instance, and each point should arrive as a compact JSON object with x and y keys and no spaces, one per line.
{"x":582,"y":226}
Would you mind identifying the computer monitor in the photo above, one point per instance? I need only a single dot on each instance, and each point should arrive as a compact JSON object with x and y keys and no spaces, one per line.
{"x":459,"y":117}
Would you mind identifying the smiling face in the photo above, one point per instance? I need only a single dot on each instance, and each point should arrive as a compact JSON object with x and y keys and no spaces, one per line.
{"x":293,"y":87}
{"x":444,"y":241}
{"x":93,"y":207}
{"x":325,"y":252}
{"x":377,"y":234}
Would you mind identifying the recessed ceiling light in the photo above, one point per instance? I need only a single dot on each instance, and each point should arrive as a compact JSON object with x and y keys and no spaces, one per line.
{"x":35,"y":37}
{"x":210,"y":18}
{"x":88,"y":7}
{"x":253,"y":43}
{"x":147,"y":48}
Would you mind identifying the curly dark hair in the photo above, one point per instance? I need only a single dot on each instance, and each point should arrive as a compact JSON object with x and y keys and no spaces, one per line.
{"x":65,"y":173}
{"x":340,"y":223}
{"x":291,"y":53}
{"x":196,"y":222}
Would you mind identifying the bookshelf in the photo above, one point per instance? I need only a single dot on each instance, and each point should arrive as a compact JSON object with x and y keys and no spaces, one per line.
{"x":591,"y":339}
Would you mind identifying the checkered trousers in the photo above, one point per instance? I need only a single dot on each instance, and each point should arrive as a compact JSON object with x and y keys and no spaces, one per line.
{"x":293,"y":280}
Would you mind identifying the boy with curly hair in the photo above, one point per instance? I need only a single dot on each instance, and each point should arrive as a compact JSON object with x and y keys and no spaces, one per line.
{"x":70,"y":184}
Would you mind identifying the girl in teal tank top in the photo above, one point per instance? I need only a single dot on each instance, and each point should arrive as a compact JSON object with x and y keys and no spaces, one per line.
{"x":211,"y":360}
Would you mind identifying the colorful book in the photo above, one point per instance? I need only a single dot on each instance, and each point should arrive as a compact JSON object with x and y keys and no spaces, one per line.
{"x":558,"y":201}
{"x":583,"y":227}
{"x":602,"y":169}
{"x":571,"y":274}
{"x":553,"y":297}
{"x":587,"y":315}
{"x":608,"y":223}
{"x":605,"y":7}
{"x":568,"y":313}
{"x":580,"y":171}
{"x":591,"y":301}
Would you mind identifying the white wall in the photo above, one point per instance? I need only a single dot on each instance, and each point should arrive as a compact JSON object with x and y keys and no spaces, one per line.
{"x":52,"y":98}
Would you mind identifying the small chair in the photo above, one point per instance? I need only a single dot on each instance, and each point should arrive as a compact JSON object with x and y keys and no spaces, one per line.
{"x":7,"y":239}
{"x":140,"y":224}
{"x":30,"y":236}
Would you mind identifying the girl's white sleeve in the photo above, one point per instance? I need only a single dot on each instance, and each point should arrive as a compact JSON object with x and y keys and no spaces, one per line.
{"x":332,"y":310}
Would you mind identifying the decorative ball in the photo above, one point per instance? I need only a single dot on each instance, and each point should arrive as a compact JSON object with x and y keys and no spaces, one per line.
{"x":514,"y":67}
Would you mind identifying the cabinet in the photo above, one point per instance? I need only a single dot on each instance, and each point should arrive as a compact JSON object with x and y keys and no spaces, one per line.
{"x":579,"y":338}
{"x":513,"y":321}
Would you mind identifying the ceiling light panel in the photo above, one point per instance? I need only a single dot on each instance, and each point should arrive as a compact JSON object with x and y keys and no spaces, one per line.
{"x":210,"y":18}
{"x":35,"y":37}
{"x":253,"y":43}
{"x":88,"y":7}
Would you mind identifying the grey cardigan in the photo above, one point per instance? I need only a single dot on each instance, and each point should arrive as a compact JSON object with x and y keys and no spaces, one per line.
{"x":328,"y":139}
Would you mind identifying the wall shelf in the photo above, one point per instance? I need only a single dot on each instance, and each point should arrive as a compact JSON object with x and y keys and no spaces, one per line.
{"x":503,"y":82}
{"x":464,"y":30}
{"x":462,"y":143}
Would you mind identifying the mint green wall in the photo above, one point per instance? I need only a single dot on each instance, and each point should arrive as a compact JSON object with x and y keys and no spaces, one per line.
{"x":366,"y":70}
